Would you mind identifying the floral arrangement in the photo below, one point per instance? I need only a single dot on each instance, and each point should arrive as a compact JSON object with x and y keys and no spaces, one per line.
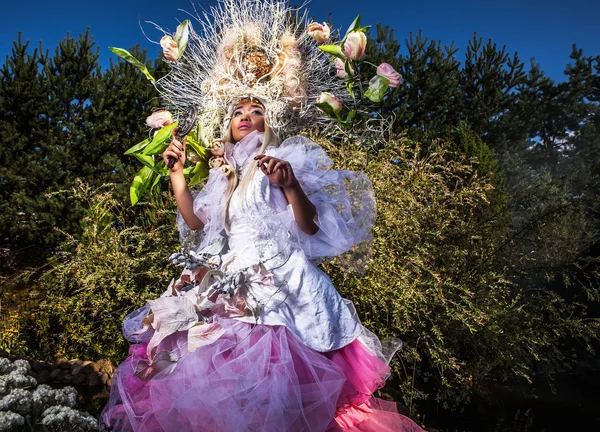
{"x":162,"y":124}
{"x":254,"y":49}
{"x":348,"y":55}
{"x":28,"y":407}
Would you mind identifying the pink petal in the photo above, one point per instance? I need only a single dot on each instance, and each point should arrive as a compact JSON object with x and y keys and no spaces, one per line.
{"x":203,"y":334}
{"x":163,"y":360}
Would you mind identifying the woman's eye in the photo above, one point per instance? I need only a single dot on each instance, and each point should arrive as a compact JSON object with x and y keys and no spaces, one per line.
{"x":237,"y":113}
{"x":257,"y":112}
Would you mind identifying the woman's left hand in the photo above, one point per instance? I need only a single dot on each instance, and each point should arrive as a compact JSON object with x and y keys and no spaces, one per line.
{"x":278,"y":171}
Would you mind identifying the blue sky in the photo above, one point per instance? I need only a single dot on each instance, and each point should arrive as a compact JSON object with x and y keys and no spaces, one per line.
{"x":545,"y":30}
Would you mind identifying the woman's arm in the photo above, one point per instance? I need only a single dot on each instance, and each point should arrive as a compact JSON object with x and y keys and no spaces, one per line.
{"x":281,"y":174}
{"x":183,"y":196}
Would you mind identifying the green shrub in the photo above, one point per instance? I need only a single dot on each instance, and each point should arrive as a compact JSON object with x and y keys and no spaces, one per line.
{"x":438,"y":280}
{"x":95,"y":280}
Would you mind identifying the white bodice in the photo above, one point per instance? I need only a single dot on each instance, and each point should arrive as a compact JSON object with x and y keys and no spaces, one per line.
{"x":304,"y":300}
{"x":262,"y":229}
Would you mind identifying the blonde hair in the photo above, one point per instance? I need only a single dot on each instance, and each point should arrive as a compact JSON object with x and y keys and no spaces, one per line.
{"x":270,"y":140}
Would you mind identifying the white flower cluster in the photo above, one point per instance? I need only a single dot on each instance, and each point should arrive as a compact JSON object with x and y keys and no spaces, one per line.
{"x":20,"y":400}
{"x":15,"y":379}
{"x":7,"y":366}
{"x":10,"y":421}
{"x":45,"y":396}
{"x":61,"y":418}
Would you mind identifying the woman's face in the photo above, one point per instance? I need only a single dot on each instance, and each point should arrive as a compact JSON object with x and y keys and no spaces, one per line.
{"x":248,"y":116}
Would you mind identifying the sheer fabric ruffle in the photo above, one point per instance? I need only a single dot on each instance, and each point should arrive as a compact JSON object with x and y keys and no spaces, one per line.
{"x":344,"y":200}
{"x":252,"y":378}
{"x":357,"y":409}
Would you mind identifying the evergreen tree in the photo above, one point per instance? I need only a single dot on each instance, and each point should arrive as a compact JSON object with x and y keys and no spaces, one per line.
{"x":489,"y":79}
{"x":430,"y":98}
{"x":584,"y":149}
{"x":63,"y":120}
{"x":25,"y":150}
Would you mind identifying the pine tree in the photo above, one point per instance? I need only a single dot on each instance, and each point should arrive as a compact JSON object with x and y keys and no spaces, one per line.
{"x":62,"y":121}
{"x":489,"y":78}
{"x":426,"y":103}
{"x":24,"y":128}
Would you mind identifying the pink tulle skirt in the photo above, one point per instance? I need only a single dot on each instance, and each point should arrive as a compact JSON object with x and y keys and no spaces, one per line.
{"x":252,"y":378}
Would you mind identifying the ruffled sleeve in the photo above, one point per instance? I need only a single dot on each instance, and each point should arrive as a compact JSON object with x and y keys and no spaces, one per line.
{"x":208,"y":207}
{"x":344,"y":200}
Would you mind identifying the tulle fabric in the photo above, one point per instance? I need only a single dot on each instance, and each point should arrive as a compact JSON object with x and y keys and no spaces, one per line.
{"x":375,"y":415}
{"x":253,"y":378}
{"x":208,"y":206}
{"x":344,"y":200}
{"x":358,"y":410}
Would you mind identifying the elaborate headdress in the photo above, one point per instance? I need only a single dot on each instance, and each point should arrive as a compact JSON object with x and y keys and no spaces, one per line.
{"x":257,"y":49}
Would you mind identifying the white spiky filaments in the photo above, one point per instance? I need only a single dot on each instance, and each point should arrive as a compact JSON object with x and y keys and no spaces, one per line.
{"x":253,"y":49}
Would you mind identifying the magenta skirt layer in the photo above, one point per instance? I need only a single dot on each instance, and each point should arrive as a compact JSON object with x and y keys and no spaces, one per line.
{"x":252,"y":378}
{"x":357,"y":409}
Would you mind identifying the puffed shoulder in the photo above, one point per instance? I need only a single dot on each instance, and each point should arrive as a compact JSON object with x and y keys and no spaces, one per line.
{"x":344,"y":200}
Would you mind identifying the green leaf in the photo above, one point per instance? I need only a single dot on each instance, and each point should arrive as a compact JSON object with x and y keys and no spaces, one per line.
{"x":348,"y":67}
{"x":140,"y":184}
{"x":335,"y":50}
{"x":353,"y":27}
{"x":145,"y":159}
{"x":126,"y":55}
{"x":350,"y":116}
{"x":159,"y":142}
{"x":200,"y":173}
{"x":182,"y":35}
{"x":155,"y":182}
{"x":139,"y":146}
{"x":349,"y":85}
{"x":377,"y":88}
{"x":162,"y":169}
{"x":197,"y":148}
{"x":328,"y":109}
{"x":364,"y":29}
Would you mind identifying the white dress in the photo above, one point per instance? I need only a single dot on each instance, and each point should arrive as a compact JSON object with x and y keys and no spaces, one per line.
{"x":262,"y":229}
{"x":263,"y":342}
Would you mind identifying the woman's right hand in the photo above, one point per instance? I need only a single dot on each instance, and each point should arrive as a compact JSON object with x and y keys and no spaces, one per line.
{"x":185,"y":200}
{"x":176,"y":150}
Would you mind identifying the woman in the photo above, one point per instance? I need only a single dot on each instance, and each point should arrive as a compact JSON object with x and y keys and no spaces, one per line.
{"x":253,"y":336}
{"x":283,"y":351}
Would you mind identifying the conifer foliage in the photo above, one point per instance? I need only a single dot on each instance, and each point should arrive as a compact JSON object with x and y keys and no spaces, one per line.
{"x":58,"y":117}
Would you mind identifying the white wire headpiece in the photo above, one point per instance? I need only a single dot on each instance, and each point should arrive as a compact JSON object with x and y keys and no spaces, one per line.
{"x":251,"y":49}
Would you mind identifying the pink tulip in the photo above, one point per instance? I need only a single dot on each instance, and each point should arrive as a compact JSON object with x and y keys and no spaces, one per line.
{"x":386,"y":71}
{"x":170,"y":48}
{"x":319,"y":32}
{"x":341,"y":69}
{"x":355,"y":45}
{"x":159,"y":119}
{"x":331,"y":100}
